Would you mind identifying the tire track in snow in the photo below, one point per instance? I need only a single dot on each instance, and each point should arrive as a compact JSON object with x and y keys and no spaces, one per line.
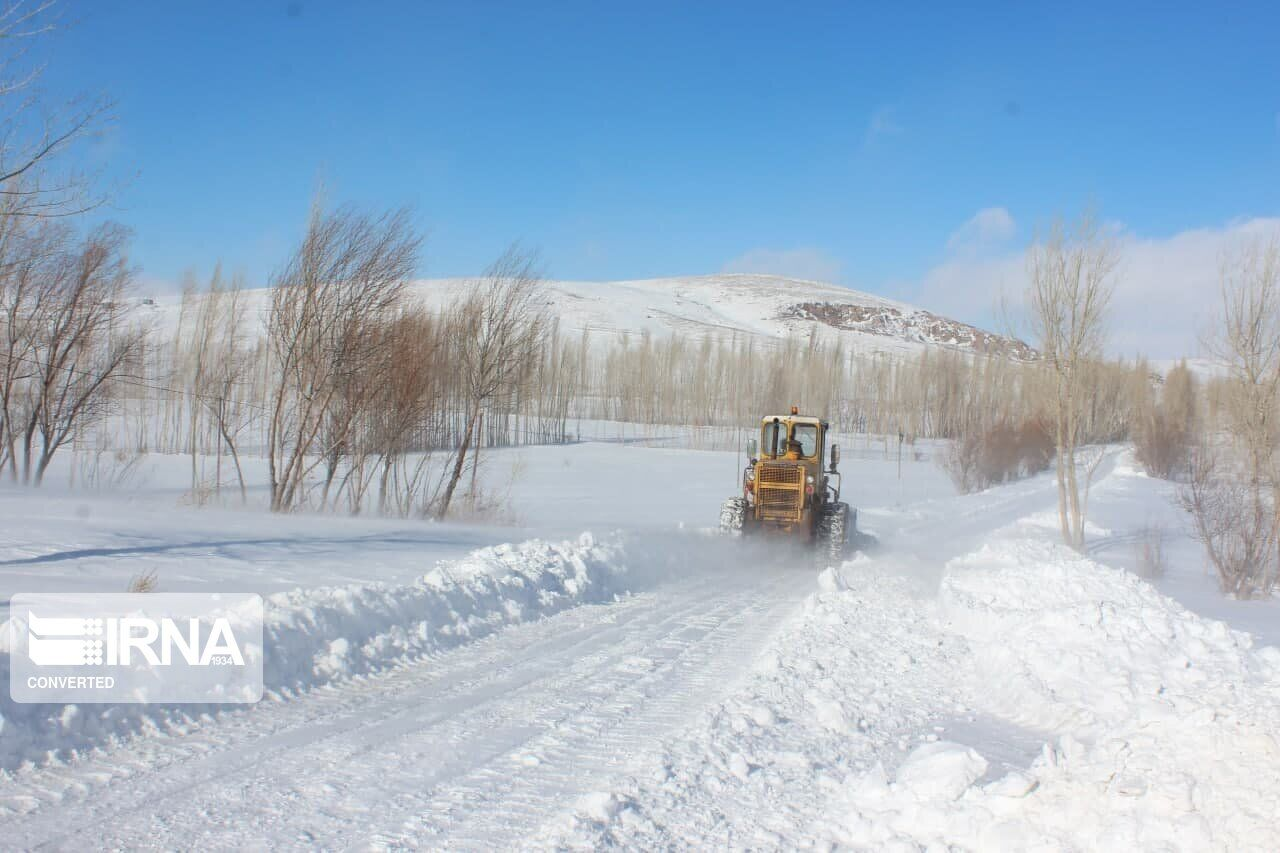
{"x":408,"y":752}
{"x":695,"y":666}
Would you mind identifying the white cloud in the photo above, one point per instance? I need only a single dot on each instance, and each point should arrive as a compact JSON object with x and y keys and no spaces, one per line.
{"x":988,"y":226}
{"x":804,"y":262}
{"x":1166,"y":293}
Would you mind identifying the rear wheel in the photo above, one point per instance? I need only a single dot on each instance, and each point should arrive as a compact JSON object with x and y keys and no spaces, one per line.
{"x":832,"y":536}
{"x":733,"y":515}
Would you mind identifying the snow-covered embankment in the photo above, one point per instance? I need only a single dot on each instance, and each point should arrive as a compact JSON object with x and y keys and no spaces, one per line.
{"x":315,"y":636}
{"x":1167,"y":724}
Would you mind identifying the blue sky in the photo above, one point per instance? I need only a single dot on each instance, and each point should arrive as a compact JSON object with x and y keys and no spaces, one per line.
{"x":647,"y":139}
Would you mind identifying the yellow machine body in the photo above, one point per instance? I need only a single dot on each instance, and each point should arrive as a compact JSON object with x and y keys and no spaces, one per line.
{"x":786,"y":483}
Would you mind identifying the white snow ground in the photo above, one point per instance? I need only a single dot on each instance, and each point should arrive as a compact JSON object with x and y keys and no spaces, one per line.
{"x":967,"y":682}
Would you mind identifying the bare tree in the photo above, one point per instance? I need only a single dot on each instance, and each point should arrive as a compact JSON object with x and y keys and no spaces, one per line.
{"x":1071,"y":282}
{"x":1246,"y":508}
{"x":978,"y":459}
{"x":80,"y":342}
{"x":1238,"y":531}
{"x":1179,"y":398}
{"x":342,"y":284}
{"x":34,"y":138}
{"x":500,"y":330}
{"x":33,"y":257}
{"x":198,"y":308}
{"x":410,"y":395}
{"x":1164,"y":429}
{"x":36,"y":183}
{"x":219,"y":374}
{"x":1248,"y":342}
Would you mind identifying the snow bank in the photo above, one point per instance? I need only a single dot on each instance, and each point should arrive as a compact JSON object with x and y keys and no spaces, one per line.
{"x":1067,"y":643}
{"x":1166,"y":722}
{"x":314,"y":637}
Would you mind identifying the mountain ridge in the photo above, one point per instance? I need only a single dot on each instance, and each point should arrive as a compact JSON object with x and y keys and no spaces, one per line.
{"x":724,"y":306}
{"x":766,"y":307}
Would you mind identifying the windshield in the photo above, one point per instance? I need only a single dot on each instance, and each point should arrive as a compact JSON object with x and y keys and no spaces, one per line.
{"x":807,"y":435}
{"x":771,"y":448}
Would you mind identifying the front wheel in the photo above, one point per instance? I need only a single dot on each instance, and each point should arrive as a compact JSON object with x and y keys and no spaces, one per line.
{"x":733,"y":515}
{"x":834,"y":526}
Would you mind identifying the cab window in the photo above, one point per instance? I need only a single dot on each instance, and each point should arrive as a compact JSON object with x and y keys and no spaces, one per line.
{"x":807,"y":435}
{"x":768,"y":446}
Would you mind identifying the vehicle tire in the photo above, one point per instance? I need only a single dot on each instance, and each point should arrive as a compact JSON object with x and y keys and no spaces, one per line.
{"x":733,"y":515}
{"x":832,"y":536}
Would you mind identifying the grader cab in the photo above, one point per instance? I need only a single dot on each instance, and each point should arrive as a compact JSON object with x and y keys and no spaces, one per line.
{"x":791,"y":486}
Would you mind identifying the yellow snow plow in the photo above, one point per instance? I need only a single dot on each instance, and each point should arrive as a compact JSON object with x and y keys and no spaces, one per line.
{"x":791,"y":486}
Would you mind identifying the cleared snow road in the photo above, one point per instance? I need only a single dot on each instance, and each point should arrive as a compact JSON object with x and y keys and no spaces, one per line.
{"x":477,"y":747}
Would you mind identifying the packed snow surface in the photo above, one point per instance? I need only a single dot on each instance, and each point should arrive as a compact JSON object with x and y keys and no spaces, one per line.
{"x":965,"y":683}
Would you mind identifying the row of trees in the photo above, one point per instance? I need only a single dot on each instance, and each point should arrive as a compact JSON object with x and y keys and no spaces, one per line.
{"x":564,"y":379}
{"x":344,"y":383}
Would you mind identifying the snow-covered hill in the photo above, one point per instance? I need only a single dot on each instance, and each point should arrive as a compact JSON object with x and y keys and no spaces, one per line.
{"x":764,"y":307}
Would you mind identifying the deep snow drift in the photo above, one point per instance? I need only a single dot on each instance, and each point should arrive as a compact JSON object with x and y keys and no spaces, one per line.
{"x":967,"y":682}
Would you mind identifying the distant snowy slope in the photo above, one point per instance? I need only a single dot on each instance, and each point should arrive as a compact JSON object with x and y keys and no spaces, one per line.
{"x":764,"y":307}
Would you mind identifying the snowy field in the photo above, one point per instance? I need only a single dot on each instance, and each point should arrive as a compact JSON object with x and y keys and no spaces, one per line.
{"x":604,"y":671}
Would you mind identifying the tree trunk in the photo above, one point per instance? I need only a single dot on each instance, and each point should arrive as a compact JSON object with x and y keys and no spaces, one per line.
{"x":1073,"y":493}
{"x":195,"y":479}
{"x":458,"y":464}
{"x":331,"y":471}
{"x":382,"y":485}
{"x":217,"y":473}
{"x":42,"y":464}
{"x":235,"y":458}
{"x":475,"y":460}
{"x":1060,"y":471}
{"x":27,"y":440}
